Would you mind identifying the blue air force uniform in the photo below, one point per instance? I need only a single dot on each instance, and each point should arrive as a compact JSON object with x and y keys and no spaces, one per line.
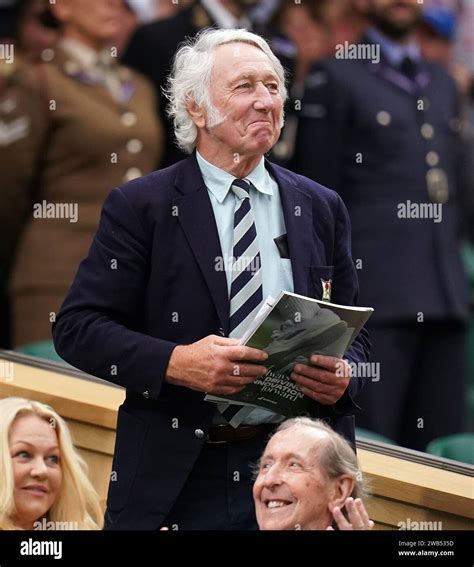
{"x":385,"y":135}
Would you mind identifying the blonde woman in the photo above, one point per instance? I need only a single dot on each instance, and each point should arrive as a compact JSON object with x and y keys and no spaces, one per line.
{"x":43,"y":479}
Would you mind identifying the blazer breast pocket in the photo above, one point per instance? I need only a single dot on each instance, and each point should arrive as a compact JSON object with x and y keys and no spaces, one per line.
{"x":320,"y":282}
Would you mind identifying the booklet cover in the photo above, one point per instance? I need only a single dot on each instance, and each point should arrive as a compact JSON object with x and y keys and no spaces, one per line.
{"x":290,"y":329}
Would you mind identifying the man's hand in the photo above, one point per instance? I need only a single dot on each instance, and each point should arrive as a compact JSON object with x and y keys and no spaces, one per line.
{"x":215,"y":365}
{"x":325,"y":381}
{"x":357,"y":514}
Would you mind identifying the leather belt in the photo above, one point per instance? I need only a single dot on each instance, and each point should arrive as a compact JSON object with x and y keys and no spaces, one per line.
{"x":227,"y":433}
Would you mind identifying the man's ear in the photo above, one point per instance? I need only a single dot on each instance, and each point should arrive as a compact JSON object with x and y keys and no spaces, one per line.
{"x":197,"y":114}
{"x":342,"y":489}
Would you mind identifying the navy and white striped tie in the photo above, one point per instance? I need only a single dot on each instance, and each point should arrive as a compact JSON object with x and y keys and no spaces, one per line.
{"x":246,"y":291}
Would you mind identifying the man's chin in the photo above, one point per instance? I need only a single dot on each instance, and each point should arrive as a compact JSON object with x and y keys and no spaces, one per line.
{"x":398,"y":27}
{"x":273,"y":524}
{"x":277,"y":521}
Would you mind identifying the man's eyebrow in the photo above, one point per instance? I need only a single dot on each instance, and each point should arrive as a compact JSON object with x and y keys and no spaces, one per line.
{"x":286,"y":457}
{"x":249,"y":75}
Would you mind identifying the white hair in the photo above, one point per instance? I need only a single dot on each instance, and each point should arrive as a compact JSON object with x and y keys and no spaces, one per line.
{"x":336,"y":456}
{"x":190,"y":79}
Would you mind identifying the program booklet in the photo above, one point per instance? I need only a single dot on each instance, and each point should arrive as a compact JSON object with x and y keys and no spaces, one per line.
{"x":290,"y":329}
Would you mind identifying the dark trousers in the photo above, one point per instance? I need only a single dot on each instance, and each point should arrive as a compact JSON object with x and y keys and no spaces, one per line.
{"x":421,"y":393}
{"x":218,"y":493}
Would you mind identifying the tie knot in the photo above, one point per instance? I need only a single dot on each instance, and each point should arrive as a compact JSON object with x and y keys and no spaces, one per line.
{"x":240,"y":188}
{"x":409,"y":67}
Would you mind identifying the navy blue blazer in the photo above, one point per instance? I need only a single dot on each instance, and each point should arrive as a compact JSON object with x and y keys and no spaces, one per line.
{"x":149,"y":284}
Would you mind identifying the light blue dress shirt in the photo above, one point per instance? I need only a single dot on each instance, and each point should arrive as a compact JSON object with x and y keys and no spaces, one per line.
{"x":265,"y":201}
{"x":394,"y":51}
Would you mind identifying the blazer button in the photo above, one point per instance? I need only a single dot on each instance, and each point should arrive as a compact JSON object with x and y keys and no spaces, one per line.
{"x":221,"y":332}
{"x":199,"y":433}
{"x":146,"y":394}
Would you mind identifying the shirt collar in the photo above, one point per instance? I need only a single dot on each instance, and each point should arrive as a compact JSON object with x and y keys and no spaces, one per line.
{"x":86,"y":56}
{"x":219,"y":181}
{"x":222,"y":17}
{"x":394,"y":51}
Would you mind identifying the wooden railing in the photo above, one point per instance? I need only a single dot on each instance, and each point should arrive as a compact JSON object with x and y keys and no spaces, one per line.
{"x":411,"y":490}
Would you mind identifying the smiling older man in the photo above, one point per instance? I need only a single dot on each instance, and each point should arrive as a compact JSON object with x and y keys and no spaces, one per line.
{"x":306,"y":475}
{"x":151,"y":310}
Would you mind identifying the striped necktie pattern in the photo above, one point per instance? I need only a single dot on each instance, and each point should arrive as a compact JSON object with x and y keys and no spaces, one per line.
{"x":246,"y":291}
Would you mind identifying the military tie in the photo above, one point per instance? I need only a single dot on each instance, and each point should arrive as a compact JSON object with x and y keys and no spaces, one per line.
{"x":246,"y":291}
{"x":409,"y":68}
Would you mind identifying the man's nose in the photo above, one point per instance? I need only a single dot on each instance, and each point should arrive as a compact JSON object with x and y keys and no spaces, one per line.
{"x":273,"y":476}
{"x":263,"y":98}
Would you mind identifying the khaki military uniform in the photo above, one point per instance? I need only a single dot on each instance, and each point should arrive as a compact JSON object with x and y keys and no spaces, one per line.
{"x":91,"y":130}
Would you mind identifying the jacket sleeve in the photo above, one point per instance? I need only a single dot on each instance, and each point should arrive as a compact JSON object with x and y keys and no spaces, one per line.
{"x":99,"y":328}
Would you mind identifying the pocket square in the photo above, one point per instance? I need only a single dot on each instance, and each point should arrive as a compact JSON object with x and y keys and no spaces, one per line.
{"x":282,"y":245}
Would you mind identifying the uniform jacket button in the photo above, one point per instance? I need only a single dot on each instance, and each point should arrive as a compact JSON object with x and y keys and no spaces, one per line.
{"x":221,"y":332}
{"x":146,"y":394}
{"x":199,"y":433}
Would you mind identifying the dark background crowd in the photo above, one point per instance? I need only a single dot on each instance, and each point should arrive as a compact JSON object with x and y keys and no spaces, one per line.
{"x":77,"y":120}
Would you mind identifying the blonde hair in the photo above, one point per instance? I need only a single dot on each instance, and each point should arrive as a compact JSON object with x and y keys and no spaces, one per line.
{"x":77,"y":504}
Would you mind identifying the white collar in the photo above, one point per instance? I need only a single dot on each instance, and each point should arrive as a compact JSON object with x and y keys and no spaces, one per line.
{"x":219,"y":181}
{"x":86,"y":56}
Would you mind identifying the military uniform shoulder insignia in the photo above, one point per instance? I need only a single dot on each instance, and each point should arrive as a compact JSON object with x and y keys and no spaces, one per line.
{"x":11,"y":132}
{"x":316,"y":79}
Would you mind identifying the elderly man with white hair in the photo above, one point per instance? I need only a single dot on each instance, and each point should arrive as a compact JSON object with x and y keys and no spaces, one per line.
{"x":307,"y":474}
{"x":153,"y":310}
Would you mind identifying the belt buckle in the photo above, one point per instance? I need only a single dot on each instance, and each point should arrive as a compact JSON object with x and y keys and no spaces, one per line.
{"x":216,"y":442}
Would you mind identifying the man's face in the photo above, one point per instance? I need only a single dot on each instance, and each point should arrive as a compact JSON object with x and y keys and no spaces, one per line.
{"x":245,"y":92}
{"x":291,"y":491}
{"x":395,"y":18}
{"x":100,"y":21}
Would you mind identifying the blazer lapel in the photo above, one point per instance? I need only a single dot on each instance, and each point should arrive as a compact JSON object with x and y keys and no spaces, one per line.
{"x":298,"y":215}
{"x":196,"y":217}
